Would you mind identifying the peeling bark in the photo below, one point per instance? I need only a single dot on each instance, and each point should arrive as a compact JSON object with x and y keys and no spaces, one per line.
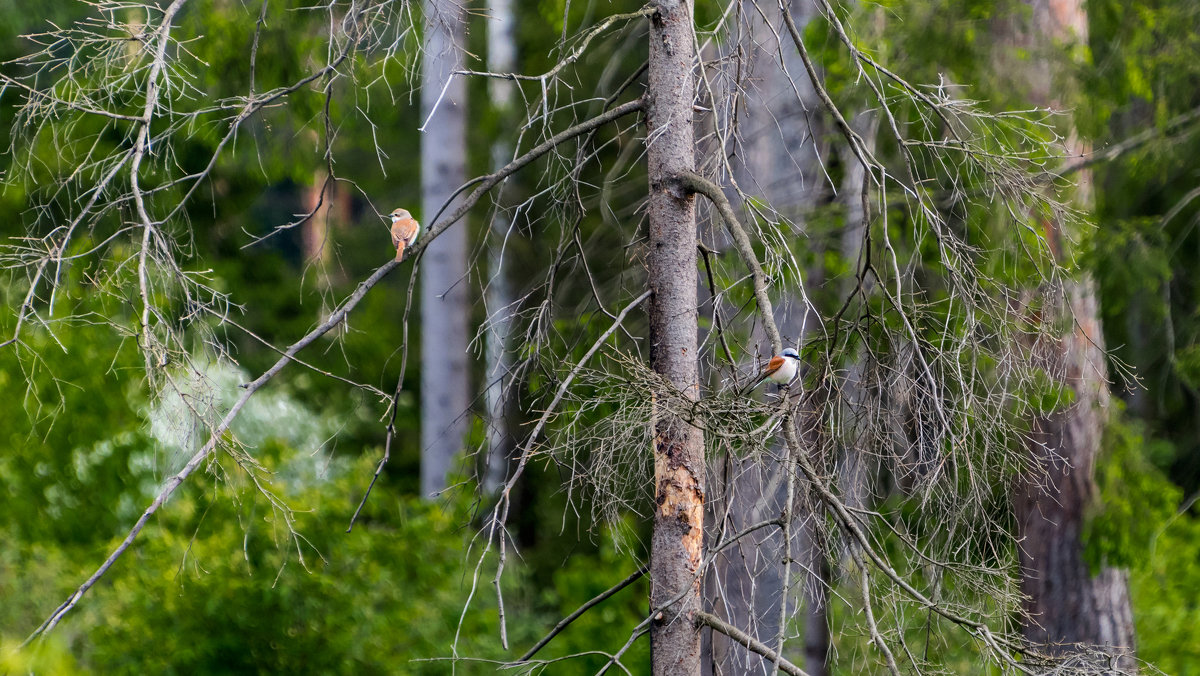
{"x":678,"y":540}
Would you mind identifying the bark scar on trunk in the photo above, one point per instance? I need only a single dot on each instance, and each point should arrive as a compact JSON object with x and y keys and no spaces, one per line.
{"x":681,"y":498}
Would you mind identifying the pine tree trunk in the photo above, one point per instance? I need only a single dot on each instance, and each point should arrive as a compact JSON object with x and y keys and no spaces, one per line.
{"x":1066,"y":602}
{"x":444,"y":376}
{"x":678,"y":540}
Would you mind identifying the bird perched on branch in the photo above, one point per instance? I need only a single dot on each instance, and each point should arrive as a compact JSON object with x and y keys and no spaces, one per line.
{"x":781,"y":369}
{"x":405,"y":229}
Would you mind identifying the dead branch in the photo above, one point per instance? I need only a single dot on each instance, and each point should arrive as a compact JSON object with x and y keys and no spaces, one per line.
{"x":717,"y":624}
{"x":562,"y":624}
{"x":693,"y":182}
{"x":333,"y":321}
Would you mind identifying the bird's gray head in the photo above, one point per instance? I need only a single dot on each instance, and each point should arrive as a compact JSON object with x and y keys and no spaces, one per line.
{"x":790,"y":353}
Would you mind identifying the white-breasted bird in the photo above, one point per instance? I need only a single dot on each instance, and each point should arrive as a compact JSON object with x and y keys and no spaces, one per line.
{"x":405,"y":229}
{"x":782,"y":369}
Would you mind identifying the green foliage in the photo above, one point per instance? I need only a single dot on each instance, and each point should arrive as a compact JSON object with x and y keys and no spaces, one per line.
{"x":1137,"y":523}
{"x":1132,"y":254}
{"x":1144,"y":54}
{"x":218,"y":586}
{"x":1144,"y":73}
{"x":1187,"y":365}
{"x":1136,"y":500}
{"x":1166,"y":591}
{"x":49,"y":657}
{"x":608,"y":626}
{"x":72,"y":447}
{"x":215,"y":584}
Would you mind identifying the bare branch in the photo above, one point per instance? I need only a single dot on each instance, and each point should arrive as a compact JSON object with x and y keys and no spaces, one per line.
{"x":599,"y":598}
{"x":717,"y":624}
{"x":693,"y":182}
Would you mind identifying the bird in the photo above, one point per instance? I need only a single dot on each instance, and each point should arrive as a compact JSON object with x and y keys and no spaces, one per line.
{"x":781,"y":369}
{"x":405,"y":229}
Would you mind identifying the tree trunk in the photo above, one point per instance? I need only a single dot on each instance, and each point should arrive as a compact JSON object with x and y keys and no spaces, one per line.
{"x":1066,"y":603}
{"x":444,"y":377}
{"x":780,"y":163}
{"x":501,"y":58}
{"x":678,"y":540}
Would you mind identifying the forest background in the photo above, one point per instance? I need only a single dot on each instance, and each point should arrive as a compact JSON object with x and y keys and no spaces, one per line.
{"x":249,"y":566}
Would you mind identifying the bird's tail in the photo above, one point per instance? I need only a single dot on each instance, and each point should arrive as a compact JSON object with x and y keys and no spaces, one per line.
{"x":400,"y":252}
{"x":753,"y":384}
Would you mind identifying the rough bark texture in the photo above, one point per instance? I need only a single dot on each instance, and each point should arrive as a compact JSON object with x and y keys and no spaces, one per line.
{"x":444,"y":377}
{"x":678,"y":540}
{"x":1066,"y":603}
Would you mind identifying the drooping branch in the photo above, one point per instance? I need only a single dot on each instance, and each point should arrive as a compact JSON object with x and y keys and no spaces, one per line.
{"x":140,"y":146}
{"x":877,"y":637}
{"x":846,"y":522}
{"x":717,"y":624}
{"x":335,"y":319}
{"x":695,"y":183}
{"x":563,"y":623}
{"x":857,"y":146}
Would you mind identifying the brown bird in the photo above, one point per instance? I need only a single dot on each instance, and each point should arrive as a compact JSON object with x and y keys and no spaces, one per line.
{"x":405,"y":229}
{"x":782,"y":369}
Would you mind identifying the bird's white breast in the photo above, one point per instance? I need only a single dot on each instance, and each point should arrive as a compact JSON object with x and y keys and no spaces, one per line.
{"x":786,"y":373}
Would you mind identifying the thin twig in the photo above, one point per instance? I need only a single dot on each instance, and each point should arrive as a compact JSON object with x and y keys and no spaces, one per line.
{"x":599,"y":598}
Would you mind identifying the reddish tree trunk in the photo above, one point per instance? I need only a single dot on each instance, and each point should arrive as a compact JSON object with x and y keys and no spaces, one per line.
{"x":1066,"y":603}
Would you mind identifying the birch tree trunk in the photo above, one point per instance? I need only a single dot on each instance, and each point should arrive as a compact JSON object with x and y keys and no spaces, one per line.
{"x":444,"y":377}
{"x":501,"y":58}
{"x":678,"y":541}
{"x":1065,"y":602}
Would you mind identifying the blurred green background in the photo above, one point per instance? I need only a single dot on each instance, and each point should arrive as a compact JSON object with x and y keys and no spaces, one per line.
{"x":217,"y":585}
